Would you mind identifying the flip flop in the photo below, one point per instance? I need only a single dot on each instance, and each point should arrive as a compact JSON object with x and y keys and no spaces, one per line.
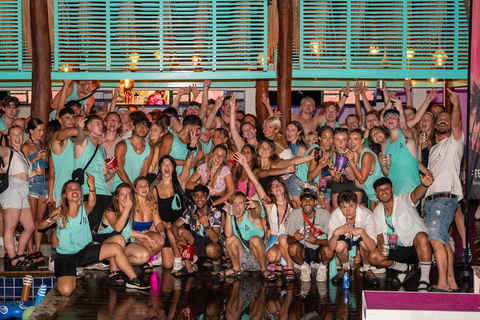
{"x":290,"y":275}
{"x":234,"y":273}
{"x":424,"y":286}
{"x":146,"y":268}
{"x":269,"y":275}
{"x":438,"y":290}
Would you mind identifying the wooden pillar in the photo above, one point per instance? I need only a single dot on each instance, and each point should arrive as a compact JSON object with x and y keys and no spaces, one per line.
{"x":284,"y":60}
{"x":261,"y":87}
{"x":41,"y":60}
{"x":446,"y":96}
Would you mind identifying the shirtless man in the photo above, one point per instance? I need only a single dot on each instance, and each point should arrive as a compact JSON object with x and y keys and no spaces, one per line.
{"x":79,"y":91}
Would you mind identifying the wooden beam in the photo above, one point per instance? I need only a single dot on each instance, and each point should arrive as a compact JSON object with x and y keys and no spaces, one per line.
{"x":261,"y":87}
{"x":41,"y":60}
{"x":284,"y":61}
{"x":446,"y":96}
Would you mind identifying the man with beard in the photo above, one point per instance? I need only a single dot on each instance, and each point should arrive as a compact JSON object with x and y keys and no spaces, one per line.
{"x":307,"y":237}
{"x":401,"y":146}
{"x":176,"y":144}
{"x":404,"y":234}
{"x":352,"y":225}
{"x":245,"y":235}
{"x":133,"y":154}
{"x":443,"y":195}
{"x":88,"y":150}
{"x":203,"y":226}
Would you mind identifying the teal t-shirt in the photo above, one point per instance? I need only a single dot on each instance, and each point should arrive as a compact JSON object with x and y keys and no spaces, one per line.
{"x":95,"y":168}
{"x":63,"y":165}
{"x":76,"y":235}
{"x":404,"y":169}
{"x":392,"y":231}
{"x":133,"y":163}
{"x":377,"y":174}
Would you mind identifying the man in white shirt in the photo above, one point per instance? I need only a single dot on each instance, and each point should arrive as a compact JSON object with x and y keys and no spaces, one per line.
{"x":307,"y":231}
{"x":402,"y":237}
{"x":446,"y":191}
{"x":352,"y":225}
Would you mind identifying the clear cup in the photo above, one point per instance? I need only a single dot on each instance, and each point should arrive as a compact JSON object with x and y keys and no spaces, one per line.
{"x":38,"y":167}
{"x":386,"y":250}
{"x":62,"y":222}
{"x":389,"y":159}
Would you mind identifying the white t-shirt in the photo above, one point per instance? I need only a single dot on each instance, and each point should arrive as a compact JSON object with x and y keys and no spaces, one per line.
{"x":405,"y":219}
{"x":364,"y":219}
{"x":296,"y":222}
{"x":444,"y":162}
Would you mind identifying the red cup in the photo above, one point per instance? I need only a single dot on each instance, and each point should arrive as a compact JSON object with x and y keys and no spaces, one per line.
{"x":188,"y":252}
{"x":111,"y":163}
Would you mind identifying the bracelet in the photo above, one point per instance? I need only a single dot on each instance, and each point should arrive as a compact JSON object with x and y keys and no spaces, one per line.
{"x":49,"y":220}
{"x":93,"y":190}
{"x":345,"y":95}
{"x":163,"y":234}
{"x":191,"y":148}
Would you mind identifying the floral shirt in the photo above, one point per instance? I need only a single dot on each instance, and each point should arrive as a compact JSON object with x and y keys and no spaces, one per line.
{"x":191,"y":217}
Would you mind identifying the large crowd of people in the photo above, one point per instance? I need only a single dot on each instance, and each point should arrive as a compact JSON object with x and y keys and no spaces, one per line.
{"x":136,"y":189}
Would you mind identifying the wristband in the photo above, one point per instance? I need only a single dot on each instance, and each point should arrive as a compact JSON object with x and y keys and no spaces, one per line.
{"x":93,"y":190}
{"x":191,"y":148}
{"x":345,"y":95}
{"x":163,"y":234}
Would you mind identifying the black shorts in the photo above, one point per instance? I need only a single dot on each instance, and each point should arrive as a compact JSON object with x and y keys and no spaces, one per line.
{"x":349,"y":241}
{"x":403,"y":254}
{"x":312,"y":255}
{"x":338,"y":187}
{"x":66,"y":264}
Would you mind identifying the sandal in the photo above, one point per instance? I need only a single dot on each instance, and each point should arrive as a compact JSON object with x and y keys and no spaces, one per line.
{"x":115,"y":279}
{"x":269,"y":275}
{"x":233,"y":273}
{"x":290,"y":275}
{"x":183,"y":272}
{"x":216,"y":268}
{"x":32,"y":258}
{"x":39,"y":256}
{"x":226,"y":263}
{"x":208,"y":263}
{"x":146,"y":268}
{"x":423,"y":286}
{"x":278,"y":272}
{"x":410,"y":272}
{"x":20,"y":265}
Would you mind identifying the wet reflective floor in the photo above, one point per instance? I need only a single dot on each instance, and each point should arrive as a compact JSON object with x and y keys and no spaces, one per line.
{"x":206,"y":297}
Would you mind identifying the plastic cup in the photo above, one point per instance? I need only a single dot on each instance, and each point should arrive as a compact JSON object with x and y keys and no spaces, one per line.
{"x":389,"y":159}
{"x":38,"y":167}
{"x":111,"y":163}
{"x":62,"y":223}
{"x":188,"y":252}
{"x":341,"y":162}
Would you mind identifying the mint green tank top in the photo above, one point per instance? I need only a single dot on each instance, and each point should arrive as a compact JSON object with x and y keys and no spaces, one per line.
{"x":76,"y":235}
{"x":302,"y":169}
{"x":377,"y":174}
{"x":73,"y":96}
{"x":95,"y":168}
{"x":247,"y":229}
{"x":63,"y":166}
{"x":126,"y":231}
{"x":179,"y":151}
{"x":133,"y":163}
{"x":404,"y":169}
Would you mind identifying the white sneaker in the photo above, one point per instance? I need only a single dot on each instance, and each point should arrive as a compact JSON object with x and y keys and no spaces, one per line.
{"x":322,"y":274}
{"x":314,"y":265}
{"x":305,"y":288}
{"x":296,"y":267}
{"x":157,"y":261}
{"x":177,"y":266}
{"x":51,"y":264}
{"x":305,"y":272}
{"x":452,"y":244}
{"x":98,"y":266}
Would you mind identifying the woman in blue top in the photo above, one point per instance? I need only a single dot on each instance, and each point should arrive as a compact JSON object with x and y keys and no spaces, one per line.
{"x":75,"y":247}
{"x":34,"y":150}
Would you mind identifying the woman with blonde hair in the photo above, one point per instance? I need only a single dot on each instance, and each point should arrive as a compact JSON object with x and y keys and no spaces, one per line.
{"x":271,"y":130}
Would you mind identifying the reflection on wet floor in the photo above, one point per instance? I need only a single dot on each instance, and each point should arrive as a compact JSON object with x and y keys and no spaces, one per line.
{"x":206,"y":297}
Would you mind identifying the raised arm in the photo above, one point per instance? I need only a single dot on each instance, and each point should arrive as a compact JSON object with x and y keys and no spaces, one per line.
{"x":456,"y":115}
{"x":425,"y":182}
{"x":366,"y":103}
{"x":183,"y":177}
{"x":266,"y":103}
{"x":343,"y":98}
{"x":92,"y":195}
{"x":407,"y":132}
{"x":113,"y":105}
{"x":204,"y":106}
{"x":357,"y":91}
{"x":240,"y":158}
{"x":407,"y":85}
{"x":239,"y":143}
{"x":210,"y":122}
{"x":62,"y":96}
{"x":176,"y":100}
{"x":81,"y":141}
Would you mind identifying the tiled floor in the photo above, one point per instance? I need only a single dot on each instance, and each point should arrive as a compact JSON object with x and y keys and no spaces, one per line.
{"x":205,"y":297}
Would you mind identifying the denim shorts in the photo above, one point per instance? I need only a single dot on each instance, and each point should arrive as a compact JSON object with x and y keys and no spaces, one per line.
{"x":248,"y":262}
{"x":440,"y":213}
{"x":16,"y":195}
{"x":38,"y":186}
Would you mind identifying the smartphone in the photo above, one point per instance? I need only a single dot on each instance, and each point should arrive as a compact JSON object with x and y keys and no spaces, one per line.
{"x":318,"y":154}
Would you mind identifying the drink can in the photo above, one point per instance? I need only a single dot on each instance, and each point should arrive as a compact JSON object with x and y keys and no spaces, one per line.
{"x":381,"y":84}
{"x":346,"y":279}
{"x":386,"y":250}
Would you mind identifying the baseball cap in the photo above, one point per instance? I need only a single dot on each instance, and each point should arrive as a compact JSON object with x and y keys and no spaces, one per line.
{"x":307,"y":192}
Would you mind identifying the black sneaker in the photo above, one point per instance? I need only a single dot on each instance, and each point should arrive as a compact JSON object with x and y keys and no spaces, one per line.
{"x":137,"y":283}
{"x":371,"y":278}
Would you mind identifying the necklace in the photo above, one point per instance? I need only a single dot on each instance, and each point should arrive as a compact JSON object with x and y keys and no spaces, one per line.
{"x":282,"y":202}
